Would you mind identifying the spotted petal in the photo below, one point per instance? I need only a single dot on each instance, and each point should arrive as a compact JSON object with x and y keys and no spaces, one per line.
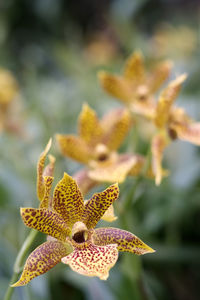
{"x":68,"y":200}
{"x":98,"y":204}
{"x":93,"y":260}
{"x":134,"y":68}
{"x":42,"y":259}
{"x":116,"y":125}
{"x":40,"y":170}
{"x":115,"y":171}
{"x":46,"y":221}
{"x":166,"y":99}
{"x":125,"y":240}
{"x":89,"y":126}
{"x":48,"y":181}
{"x":116,"y":86}
{"x":74,"y":147}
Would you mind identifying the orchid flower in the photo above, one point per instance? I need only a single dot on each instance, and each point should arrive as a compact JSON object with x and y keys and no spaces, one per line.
{"x":97,"y":144}
{"x":75,"y":241}
{"x":136,"y":87}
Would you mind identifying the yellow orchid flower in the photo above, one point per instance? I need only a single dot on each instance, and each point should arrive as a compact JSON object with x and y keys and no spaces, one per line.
{"x":97,"y":144}
{"x":71,"y":223}
{"x":172,"y":123}
{"x":136,"y":87}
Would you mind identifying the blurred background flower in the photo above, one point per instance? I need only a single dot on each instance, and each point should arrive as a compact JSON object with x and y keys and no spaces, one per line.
{"x":54,"y":50}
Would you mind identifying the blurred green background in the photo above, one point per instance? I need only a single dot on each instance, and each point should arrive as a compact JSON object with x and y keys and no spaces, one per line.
{"x":54,"y":49}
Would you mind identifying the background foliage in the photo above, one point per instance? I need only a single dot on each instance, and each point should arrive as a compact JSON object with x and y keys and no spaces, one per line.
{"x":54,"y":49}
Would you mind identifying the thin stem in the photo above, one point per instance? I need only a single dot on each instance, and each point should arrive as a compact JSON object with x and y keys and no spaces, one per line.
{"x":19,"y":261}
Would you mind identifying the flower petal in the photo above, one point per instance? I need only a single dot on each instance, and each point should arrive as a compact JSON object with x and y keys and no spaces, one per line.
{"x":189,"y":132}
{"x":166,"y":99}
{"x":49,"y":169}
{"x":116,"y":86}
{"x":115,"y":171}
{"x":74,"y":147}
{"x":159,"y":143}
{"x":46,"y":221}
{"x":84,"y":183}
{"x":109,"y":215}
{"x":98,"y":204}
{"x":68,"y":200}
{"x":116,"y":125}
{"x":93,"y":260}
{"x":125,"y":240}
{"x":158,"y":75}
{"x":134,"y":67}
{"x":45,"y":203}
{"x":89,"y":126}
{"x":42,"y":259}
{"x":40,"y":170}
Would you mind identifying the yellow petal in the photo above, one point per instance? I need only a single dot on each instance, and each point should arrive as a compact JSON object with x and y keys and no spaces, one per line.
{"x":126,"y":241}
{"x":89,"y":126}
{"x":116,"y":126}
{"x":134,"y":67}
{"x":159,"y":143}
{"x":74,"y":147}
{"x":93,"y":260}
{"x":48,"y":181}
{"x":68,"y":200}
{"x":46,"y":221}
{"x":109,"y":215}
{"x":42,"y":259}
{"x":98,"y":204}
{"x":116,"y":86}
{"x":158,"y":75}
{"x":166,"y":99}
{"x":40,"y":170}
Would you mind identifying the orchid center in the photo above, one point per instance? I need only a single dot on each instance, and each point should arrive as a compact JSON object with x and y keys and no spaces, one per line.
{"x":79,"y":232}
{"x":142,"y":92}
{"x":101,"y":152}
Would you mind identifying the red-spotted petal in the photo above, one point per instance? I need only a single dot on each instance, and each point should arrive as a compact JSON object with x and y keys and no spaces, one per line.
{"x":68,"y":200}
{"x":125,"y":240}
{"x":40,"y":170}
{"x":93,"y":260}
{"x":46,"y":221}
{"x":42,"y":259}
{"x":48,"y":181}
{"x":98,"y":204}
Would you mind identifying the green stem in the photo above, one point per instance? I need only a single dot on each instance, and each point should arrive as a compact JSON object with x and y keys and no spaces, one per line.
{"x":19,"y":261}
